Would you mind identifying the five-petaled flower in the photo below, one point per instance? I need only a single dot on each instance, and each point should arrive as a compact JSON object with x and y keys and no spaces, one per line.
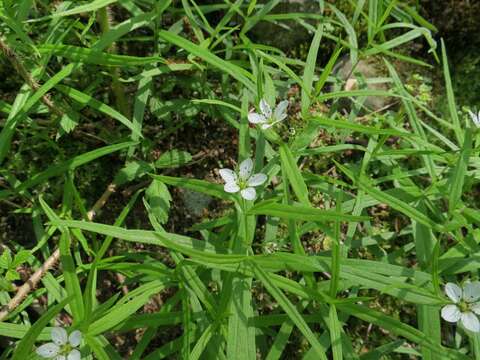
{"x":475,"y":118}
{"x":243,"y":181}
{"x":268,"y":118}
{"x":63,"y":346}
{"x":465,"y":305}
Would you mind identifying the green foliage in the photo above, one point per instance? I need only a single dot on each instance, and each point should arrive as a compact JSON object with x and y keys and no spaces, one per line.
{"x":361,"y":217}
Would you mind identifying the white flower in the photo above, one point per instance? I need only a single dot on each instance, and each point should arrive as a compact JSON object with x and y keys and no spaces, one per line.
{"x":63,"y":346}
{"x":464,"y":306}
{"x":244,"y":181}
{"x":475,"y":118}
{"x":268,"y":118}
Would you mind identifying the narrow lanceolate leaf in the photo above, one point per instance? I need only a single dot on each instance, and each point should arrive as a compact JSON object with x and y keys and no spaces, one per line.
{"x":452,"y":108}
{"x":88,"y":100}
{"x":342,"y":124}
{"x":310,"y":69}
{"x":457,"y":178}
{"x":92,"y":6}
{"x":196,"y":185}
{"x":335,"y":333}
{"x":126,"y":307}
{"x":241,"y":334}
{"x":290,"y":310}
{"x":89,"y":56}
{"x":399,"y":205}
{"x":294,"y":175}
{"x":301,"y":213}
{"x":234,"y":71}
{"x":71,"y":164}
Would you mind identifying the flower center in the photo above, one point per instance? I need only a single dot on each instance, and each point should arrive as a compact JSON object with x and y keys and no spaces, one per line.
{"x":464,"y":306}
{"x":65,"y":349}
{"x":242,"y":183}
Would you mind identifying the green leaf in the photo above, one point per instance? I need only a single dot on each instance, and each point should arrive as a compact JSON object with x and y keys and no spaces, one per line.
{"x":158,"y":198}
{"x":290,"y":310}
{"x":457,"y":177}
{"x":234,"y":71}
{"x":131,"y":171}
{"x":173,"y":158}
{"x":241,"y":336}
{"x":342,"y":124}
{"x":92,"y":56}
{"x":290,"y":167}
{"x":302,"y":213}
{"x":70,"y":164}
{"x":87,"y":100}
{"x":92,"y":6}
{"x":196,"y":185}
{"x":126,"y":306}
{"x":309,"y":70}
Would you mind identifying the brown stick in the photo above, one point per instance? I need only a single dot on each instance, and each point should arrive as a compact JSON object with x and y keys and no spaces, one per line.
{"x":101,"y":201}
{"x":30,"y":284}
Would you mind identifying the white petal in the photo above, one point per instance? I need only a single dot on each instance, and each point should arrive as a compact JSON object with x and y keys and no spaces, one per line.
{"x":231,"y":187}
{"x":257,"y":179}
{"x":280,"y":110}
{"x":249,"y":193}
{"x":475,"y":308}
{"x":266,"y":126}
{"x":228,"y":175}
{"x":470,"y":321}
{"x":475,"y":118}
{"x":265,"y":108}
{"x":74,"y":355}
{"x":59,"y":335}
{"x":451,"y":313}
{"x":246,"y":167}
{"x":453,"y":291}
{"x":49,"y":350}
{"x":471,"y":291}
{"x":75,"y":338}
{"x":255,"y":118}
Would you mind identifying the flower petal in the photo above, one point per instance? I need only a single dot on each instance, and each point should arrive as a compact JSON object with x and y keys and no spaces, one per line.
{"x":249,"y":193}
{"x":471,"y":291}
{"x":255,"y":118}
{"x":228,"y":175}
{"x":453,"y":291}
{"x":231,"y":187}
{"x":451,"y":313}
{"x":281,"y":110}
{"x":59,"y":335}
{"x":475,"y":308}
{"x":266,"y":126}
{"x":74,"y":355}
{"x":246,"y":167}
{"x":470,"y":321}
{"x":257,"y":179}
{"x":475,"y":118}
{"x":75,"y":338}
{"x":49,"y":350}
{"x":265,"y":108}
